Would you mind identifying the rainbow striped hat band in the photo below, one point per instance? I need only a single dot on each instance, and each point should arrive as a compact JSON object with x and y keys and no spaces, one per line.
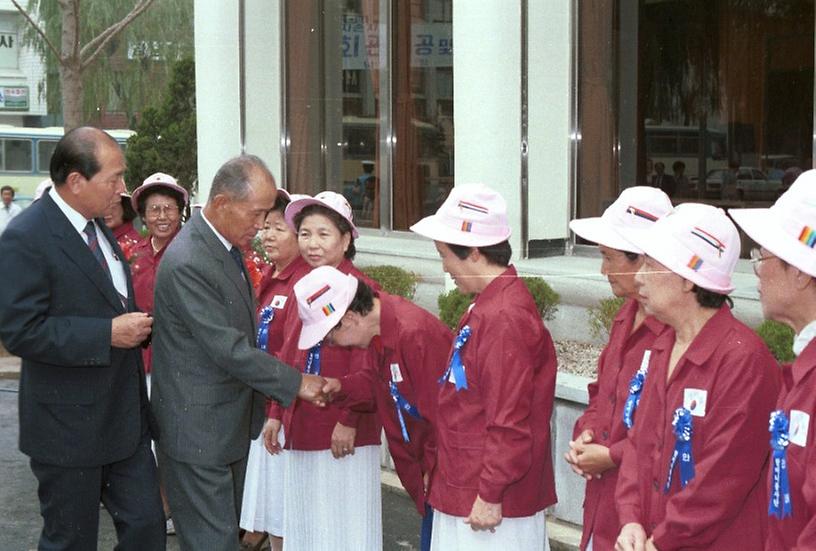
{"x":473,"y":215}
{"x":788,"y":228}
{"x":323,"y":296}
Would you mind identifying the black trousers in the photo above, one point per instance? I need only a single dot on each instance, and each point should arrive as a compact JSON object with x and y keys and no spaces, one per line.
{"x":129,"y":489}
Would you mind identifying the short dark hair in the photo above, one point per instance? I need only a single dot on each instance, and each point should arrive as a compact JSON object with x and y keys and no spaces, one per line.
{"x":630,"y":256}
{"x":233,"y":176}
{"x":363,"y":301}
{"x":498,"y":254}
{"x":160,"y":190}
{"x":76,"y":152}
{"x":281,"y":202}
{"x":7,"y":188}
{"x":128,"y":214}
{"x":711,"y":299}
{"x":340,"y":223}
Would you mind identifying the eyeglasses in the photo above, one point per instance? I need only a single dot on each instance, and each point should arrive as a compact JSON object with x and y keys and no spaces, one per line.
{"x":756,"y":258}
{"x":154,"y":211}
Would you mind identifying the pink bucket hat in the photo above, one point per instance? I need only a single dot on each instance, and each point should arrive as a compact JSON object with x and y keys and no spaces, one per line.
{"x":158,"y":179}
{"x":788,"y":228}
{"x":328,"y":199}
{"x":695,"y":241}
{"x":323,"y":296}
{"x":473,"y":215}
{"x":636,"y":209}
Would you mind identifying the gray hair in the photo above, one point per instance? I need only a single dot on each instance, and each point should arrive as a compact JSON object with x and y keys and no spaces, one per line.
{"x":233,"y":177}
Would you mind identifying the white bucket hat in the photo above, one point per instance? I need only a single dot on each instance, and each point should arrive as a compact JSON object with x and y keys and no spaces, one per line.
{"x":788,"y":228}
{"x":636,"y":209}
{"x":323,"y":296}
{"x":695,"y":241}
{"x":473,"y":215}
{"x":328,"y":199}
{"x":158,"y":179}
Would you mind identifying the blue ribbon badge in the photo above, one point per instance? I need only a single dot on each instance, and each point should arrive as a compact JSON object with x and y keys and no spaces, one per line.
{"x":455,"y":365}
{"x":780,"y":503}
{"x":267,"y":315}
{"x":402,"y":404}
{"x":313,"y":360}
{"x":635,"y":387}
{"x":681,"y":423}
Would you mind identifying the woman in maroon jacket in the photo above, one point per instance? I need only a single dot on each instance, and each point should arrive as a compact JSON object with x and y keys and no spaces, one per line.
{"x":599,"y":435}
{"x":409,"y":349}
{"x":786,"y":266}
{"x":120,"y":221}
{"x":335,"y":448}
{"x":262,"y":504}
{"x":160,"y":201}
{"x":693,"y":470}
{"x":493,"y":476}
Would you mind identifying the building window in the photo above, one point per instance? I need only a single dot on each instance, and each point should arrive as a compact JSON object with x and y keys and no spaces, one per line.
{"x":369,"y":105}
{"x":711,"y":101}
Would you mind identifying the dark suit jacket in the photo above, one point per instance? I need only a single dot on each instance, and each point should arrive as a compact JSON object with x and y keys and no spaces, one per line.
{"x":209,"y":381}
{"x":82,"y":402}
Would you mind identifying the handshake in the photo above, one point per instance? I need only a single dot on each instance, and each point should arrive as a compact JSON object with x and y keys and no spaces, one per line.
{"x":318,"y":390}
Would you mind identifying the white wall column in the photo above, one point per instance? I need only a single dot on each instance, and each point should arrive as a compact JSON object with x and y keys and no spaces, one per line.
{"x":264,"y":81}
{"x":487,"y":99}
{"x":549,"y":96}
{"x":217,"y":88}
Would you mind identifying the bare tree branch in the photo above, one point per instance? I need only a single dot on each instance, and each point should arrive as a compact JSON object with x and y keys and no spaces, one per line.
{"x":39,"y":30}
{"x":98,"y":43}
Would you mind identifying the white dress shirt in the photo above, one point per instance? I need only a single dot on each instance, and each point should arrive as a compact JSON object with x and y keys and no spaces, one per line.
{"x":79,"y":222}
{"x":7,"y":213}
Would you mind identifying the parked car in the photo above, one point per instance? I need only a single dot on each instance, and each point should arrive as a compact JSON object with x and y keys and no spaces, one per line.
{"x":751,"y":183}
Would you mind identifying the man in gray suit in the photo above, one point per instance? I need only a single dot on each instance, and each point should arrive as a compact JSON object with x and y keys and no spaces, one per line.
{"x":209,"y":381}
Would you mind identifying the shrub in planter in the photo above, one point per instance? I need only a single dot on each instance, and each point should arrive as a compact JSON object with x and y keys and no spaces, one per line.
{"x":602,"y":315}
{"x":779,"y":339}
{"x":454,"y":303}
{"x":393,"y":280}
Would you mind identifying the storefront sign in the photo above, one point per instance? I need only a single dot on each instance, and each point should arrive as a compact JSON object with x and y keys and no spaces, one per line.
{"x":14,"y":98}
{"x":431,"y":44}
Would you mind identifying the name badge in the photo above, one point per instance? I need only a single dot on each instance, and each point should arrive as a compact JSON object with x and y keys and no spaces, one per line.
{"x":278,"y":302}
{"x":396,"y":374}
{"x":799,"y":425}
{"x":694,"y":400}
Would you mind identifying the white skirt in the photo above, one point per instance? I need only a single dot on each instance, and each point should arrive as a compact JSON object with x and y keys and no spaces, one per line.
{"x":332,"y":504}
{"x":262,"y":504}
{"x":519,"y":534}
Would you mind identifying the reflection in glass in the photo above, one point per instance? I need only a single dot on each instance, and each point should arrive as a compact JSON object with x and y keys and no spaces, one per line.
{"x":711,"y":101}
{"x":338,"y":68}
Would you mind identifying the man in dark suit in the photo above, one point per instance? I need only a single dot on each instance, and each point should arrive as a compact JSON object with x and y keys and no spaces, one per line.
{"x":664,"y":181}
{"x":209,"y":381}
{"x":67,"y":309}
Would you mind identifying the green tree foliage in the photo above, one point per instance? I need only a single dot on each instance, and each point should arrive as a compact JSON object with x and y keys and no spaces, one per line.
{"x":393,"y":280}
{"x":452,"y":305}
{"x":132,"y":66}
{"x":165,"y":139}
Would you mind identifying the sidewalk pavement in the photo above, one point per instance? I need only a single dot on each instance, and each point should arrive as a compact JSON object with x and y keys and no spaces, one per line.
{"x":20,"y":521}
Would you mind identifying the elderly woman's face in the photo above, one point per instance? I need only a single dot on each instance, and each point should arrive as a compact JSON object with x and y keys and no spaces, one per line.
{"x":659,"y":289}
{"x":115,"y":216}
{"x":162,"y":216}
{"x":620,"y":271}
{"x":278,"y":239}
{"x":320,"y":241}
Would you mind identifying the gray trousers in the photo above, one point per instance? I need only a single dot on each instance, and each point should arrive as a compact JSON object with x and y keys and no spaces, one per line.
{"x":205,"y":501}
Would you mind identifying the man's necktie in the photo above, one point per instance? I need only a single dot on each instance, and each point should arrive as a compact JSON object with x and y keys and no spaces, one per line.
{"x":93,"y":244}
{"x":239,"y":260}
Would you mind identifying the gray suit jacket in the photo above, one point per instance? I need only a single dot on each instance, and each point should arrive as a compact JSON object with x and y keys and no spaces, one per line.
{"x":209,"y":380}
